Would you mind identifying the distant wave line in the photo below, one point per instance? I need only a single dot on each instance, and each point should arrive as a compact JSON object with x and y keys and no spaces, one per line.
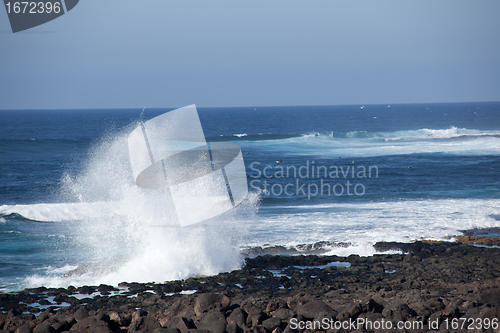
{"x":420,"y":134}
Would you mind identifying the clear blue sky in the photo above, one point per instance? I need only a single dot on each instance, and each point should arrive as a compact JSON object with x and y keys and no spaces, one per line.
{"x":171,"y":53}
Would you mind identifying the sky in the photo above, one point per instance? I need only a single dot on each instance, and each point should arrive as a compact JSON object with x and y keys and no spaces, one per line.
{"x":219,"y":53}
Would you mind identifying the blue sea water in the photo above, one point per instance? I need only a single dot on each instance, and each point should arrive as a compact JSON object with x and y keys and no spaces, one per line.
{"x":348,"y":175}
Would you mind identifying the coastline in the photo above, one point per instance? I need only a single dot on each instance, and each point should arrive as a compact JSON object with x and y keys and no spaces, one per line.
{"x":429,"y":283}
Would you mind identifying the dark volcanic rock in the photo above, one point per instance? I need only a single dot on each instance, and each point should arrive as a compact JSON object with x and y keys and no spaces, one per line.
{"x":81,"y":313}
{"x":180,"y":323}
{"x":275,"y":304}
{"x":313,"y":309}
{"x":91,"y":325}
{"x":255,"y":316}
{"x":44,"y":327}
{"x":119,"y":319}
{"x":491,"y":297}
{"x":238,"y":316}
{"x":283,"y":314}
{"x":26,"y":328}
{"x":210,"y":301}
{"x":259,"y":329}
{"x":43,"y":316}
{"x":213,"y":321}
{"x":432,"y":281}
{"x":271,"y":323}
{"x":166,"y":330}
{"x":233,"y":328}
{"x":398,"y":312}
{"x":198,"y":331}
{"x":150,"y":323}
{"x":299,"y":299}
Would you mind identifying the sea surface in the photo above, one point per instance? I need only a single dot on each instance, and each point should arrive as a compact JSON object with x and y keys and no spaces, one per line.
{"x":334,"y":178}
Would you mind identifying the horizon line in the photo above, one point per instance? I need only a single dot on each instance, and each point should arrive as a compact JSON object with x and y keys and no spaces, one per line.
{"x":251,"y":106}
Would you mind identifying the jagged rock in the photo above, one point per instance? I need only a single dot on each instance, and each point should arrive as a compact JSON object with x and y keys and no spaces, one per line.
{"x":150,"y":300}
{"x":491,"y":297}
{"x":121,"y":319}
{"x":13,"y":323}
{"x":271,"y":323}
{"x":43,"y":316}
{"x":283,"y":314}
{"x":102,"y":316}
{"x":491,"y":313}
{"x":180,"y":323}
{"x":44,"y":327}
{"x":150,"y":323}
{"x":187,"y":313}
{"x":238,"y":317}
{"x":162,"y":319}
{"x":233,"y":328}
{"x":59,"y":326}
{"x":137,"y":315}
{"x":370,"y":305}
{"x":69,"y":319}
{"x":313,"y":309}
{"x":213,"y":321}
{"x":355,"y":310}
{"x":91,"y":325}
{"x":81,"y":313}
{"x":177,"y":306}
{"x":398,"y":312}
{"x":259,"y":329}
{"x":255,"y":316}
{"x":431,"y":306}
{"x":475,"y":313}
{"x":209,"y":301}
{"x":26,"y":328}
{"x":14,"y":313}
{"x":166,"y":330}
{"x":275,"y":304}
{"x":299,"y":299}
{"x":143,"y":322}
{"x":452,"y":309}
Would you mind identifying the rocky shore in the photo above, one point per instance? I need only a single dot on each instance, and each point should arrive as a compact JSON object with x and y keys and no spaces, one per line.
{"x":436,"y":284}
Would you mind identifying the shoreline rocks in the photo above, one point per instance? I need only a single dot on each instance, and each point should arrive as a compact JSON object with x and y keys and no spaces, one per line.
{"x":429,"y":282}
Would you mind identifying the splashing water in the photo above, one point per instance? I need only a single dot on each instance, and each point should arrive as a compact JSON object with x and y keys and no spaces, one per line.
{"x":126,"y":233}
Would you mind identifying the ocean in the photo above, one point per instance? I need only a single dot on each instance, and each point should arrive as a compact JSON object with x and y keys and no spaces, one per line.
{"x":330,"y":178}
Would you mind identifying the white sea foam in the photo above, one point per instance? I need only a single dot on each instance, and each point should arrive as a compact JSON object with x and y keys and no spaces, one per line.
{"x":158,"y":255}
{"x":363,"y":224}
{"x":451,"y":141}
{"x":126,"y":249}
{"x":423,"y":133}
{"x":164,"y":253}
{"x":59,"y":212}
